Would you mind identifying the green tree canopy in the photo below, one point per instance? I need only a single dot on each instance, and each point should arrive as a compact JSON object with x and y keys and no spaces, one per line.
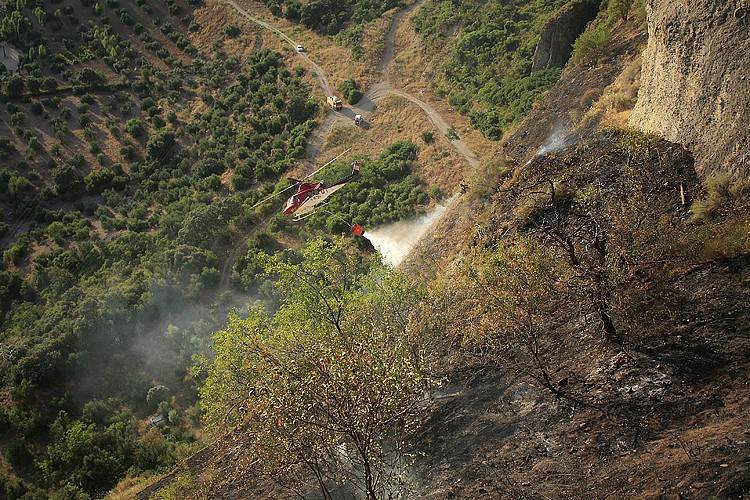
{"x":335,"y":368}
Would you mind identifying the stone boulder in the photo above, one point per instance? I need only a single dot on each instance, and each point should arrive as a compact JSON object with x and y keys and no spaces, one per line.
{"x":558,"y":34}
{"x":695,"y":81}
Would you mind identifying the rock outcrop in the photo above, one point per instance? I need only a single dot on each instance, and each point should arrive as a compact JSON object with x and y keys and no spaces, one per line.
{"x":558,"y":34}
{"x":695,"y":82}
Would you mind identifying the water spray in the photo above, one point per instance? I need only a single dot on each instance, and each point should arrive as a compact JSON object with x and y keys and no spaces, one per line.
{"x":394,"y":241}
{"x":557,"y":139}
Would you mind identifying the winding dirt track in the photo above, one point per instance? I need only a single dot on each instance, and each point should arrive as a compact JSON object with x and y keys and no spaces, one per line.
{"x":318,"y":72}
{"x":365,"y":107}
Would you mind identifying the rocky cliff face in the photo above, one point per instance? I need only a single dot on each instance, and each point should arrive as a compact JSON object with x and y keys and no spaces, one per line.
{"x":556,"y":39}
{"x":695,"y":82}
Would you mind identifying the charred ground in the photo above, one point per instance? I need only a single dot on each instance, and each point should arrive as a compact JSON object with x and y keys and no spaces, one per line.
{"x":656,"y":411}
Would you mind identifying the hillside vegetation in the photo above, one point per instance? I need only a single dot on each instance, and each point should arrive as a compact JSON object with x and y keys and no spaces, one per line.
{"x":568,"y":347}
{"x":136,"y":138}
{"x":487,"y":70}
{"x":580,"y":313}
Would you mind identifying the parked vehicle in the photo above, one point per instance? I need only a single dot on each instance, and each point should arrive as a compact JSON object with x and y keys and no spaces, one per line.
{"x":334,"y":102}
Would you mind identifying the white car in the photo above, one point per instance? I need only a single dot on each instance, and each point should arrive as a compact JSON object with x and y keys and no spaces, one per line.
{"x":300,"y":48}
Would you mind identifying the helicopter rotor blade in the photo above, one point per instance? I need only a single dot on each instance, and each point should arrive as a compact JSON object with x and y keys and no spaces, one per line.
{"x":297,"y":182}
{"x":328,"y":163}
{"x":273,"y":195}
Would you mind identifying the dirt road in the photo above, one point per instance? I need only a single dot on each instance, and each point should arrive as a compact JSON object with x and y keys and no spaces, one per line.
{"x":320,"y":75}
{"x":365,"y":108}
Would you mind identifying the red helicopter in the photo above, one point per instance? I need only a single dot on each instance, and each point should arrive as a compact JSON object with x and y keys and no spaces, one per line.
{"x":310,"y":195}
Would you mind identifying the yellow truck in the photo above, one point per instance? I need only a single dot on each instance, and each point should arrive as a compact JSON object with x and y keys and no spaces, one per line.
{"x":334,"y":102}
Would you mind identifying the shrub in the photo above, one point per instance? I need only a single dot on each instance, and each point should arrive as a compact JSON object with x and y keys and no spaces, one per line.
{"x":98,"y":180}
{"x":350,"y":91}
{"x":89,"y":76}
{"x":621,"y":102}
{"x":360,"y":357}
{"x":134,"y":127}
{"x":158,"y":144}
{"x":14,"y":85}
{"x":723,"y":196}
{"x":232,"y":31}
{"x":6,"y":148}
{"x":591,"y":45}
{"x":17,"y":118}
{"x":18,"y":454}
{"x":618,"y":10}
{"x":18,"y":185}
{"x":128,"y":151}
{"x":17,"y":250}
{"x":84,"y":119}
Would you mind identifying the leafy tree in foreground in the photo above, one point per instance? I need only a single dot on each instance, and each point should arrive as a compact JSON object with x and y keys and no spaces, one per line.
{"x":330,"y":380}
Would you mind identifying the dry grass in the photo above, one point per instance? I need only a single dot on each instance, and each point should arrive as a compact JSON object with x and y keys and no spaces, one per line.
{"x":413,"y":69}
{"x":129,"y":488}
{"x":342,"y":137}
{"x":729,"y":239}
{"x":490,"y":175}
{"x":723,"y":197}
{"x":413,"y":64}
{"x":619,"y":98}
{"x":212,"y":19}
{"x":398,"y":119}
{"x":336,"y":61}
{"x":373,"y":48}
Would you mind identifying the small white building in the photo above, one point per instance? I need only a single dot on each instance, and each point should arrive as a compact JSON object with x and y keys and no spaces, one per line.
{"x":9,"y":56}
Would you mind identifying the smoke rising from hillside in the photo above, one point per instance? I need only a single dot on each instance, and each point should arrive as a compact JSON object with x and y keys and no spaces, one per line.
{"x":556,"y":140}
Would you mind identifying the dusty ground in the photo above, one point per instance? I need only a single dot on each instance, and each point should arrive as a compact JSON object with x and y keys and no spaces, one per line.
{"x":9,"y":57}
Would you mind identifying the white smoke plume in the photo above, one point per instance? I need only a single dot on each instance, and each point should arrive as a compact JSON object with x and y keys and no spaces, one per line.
{"x":556,"y":140}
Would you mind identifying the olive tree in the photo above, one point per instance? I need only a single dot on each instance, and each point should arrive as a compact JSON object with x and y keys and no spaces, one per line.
{"x":329,"y":382}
